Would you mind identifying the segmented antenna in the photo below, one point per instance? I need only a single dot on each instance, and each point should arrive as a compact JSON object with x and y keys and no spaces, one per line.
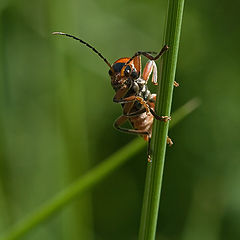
{"x":85,"y":43}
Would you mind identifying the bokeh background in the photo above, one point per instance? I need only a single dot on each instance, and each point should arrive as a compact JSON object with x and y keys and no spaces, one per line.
{"x":57,"y":114}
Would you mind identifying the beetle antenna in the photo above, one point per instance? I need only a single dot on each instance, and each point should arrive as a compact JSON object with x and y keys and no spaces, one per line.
{"x":85,"y":43}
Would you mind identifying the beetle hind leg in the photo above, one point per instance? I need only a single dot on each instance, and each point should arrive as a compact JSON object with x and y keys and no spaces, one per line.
{"x":176,"y":84}
{"x":169,"y":141}
{"x":121,"y":120}
{"x":146,"y":106}
{"x":149,"y":151}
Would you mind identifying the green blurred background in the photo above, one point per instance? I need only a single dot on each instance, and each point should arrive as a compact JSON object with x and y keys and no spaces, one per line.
{"x":57,"y":115}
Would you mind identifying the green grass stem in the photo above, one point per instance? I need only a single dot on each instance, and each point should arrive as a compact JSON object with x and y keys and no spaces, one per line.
{"x":154,"y":177}
{"x":86,"y":182}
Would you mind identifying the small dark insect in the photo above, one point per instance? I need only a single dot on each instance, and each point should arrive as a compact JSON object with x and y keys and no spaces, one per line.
{"x":137,"y":102}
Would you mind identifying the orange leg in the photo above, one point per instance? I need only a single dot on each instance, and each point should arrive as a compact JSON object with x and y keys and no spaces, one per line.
{"x":169,"y":141}
{"x":146,"y":106}
{"x":137,"y":113}
{"x":121,"y":120}
{"x":137,"y":64}
{"x":176,"y":84}
{"x":120,"y":93}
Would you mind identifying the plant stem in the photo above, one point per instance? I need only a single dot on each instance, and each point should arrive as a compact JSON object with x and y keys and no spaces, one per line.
{"x":86,"y":182}
{"x":163,"y":107}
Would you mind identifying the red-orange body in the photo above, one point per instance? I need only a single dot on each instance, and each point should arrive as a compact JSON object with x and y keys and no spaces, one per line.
{"x":133,"y":94}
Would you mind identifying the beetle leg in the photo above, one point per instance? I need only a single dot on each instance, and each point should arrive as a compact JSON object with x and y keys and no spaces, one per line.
{"x":121,"y":120}
{"x":137,"y":113}
{"x":137,"y":64}
{"x":128,"y":105}
{"x":120,"y":93}
{"x":176,"y":84}
{"x":127,"y":108}
{"x":149,"y":150}
{"x":153,"y":100}
{"x":133,"y":99}
{"x":148,"y":55}
{"x":149,"y":68}
{"x":146,"y":105}
{"x":162,"y":118}
{"x":169,"y":141}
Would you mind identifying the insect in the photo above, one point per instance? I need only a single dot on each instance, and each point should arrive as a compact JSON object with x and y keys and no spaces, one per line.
{"x":131,"y":91}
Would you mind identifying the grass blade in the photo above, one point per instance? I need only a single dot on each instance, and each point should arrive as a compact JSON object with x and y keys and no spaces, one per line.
{"x":163,"y":106}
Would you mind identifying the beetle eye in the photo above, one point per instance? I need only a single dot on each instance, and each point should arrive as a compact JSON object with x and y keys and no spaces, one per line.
{"x":110,"y":72}
{"x":134,"y":74}
{"x":127,"y":71}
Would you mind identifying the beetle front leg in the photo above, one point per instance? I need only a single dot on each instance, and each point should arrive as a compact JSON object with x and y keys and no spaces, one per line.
{"x":148,"y":55}
{"x":149,"y":68}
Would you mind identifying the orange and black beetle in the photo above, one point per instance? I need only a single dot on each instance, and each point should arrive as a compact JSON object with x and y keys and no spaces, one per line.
{"x":137,"y":102}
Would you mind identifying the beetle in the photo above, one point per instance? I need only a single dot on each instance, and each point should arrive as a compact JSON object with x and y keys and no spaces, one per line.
{"x":131,"y":91}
